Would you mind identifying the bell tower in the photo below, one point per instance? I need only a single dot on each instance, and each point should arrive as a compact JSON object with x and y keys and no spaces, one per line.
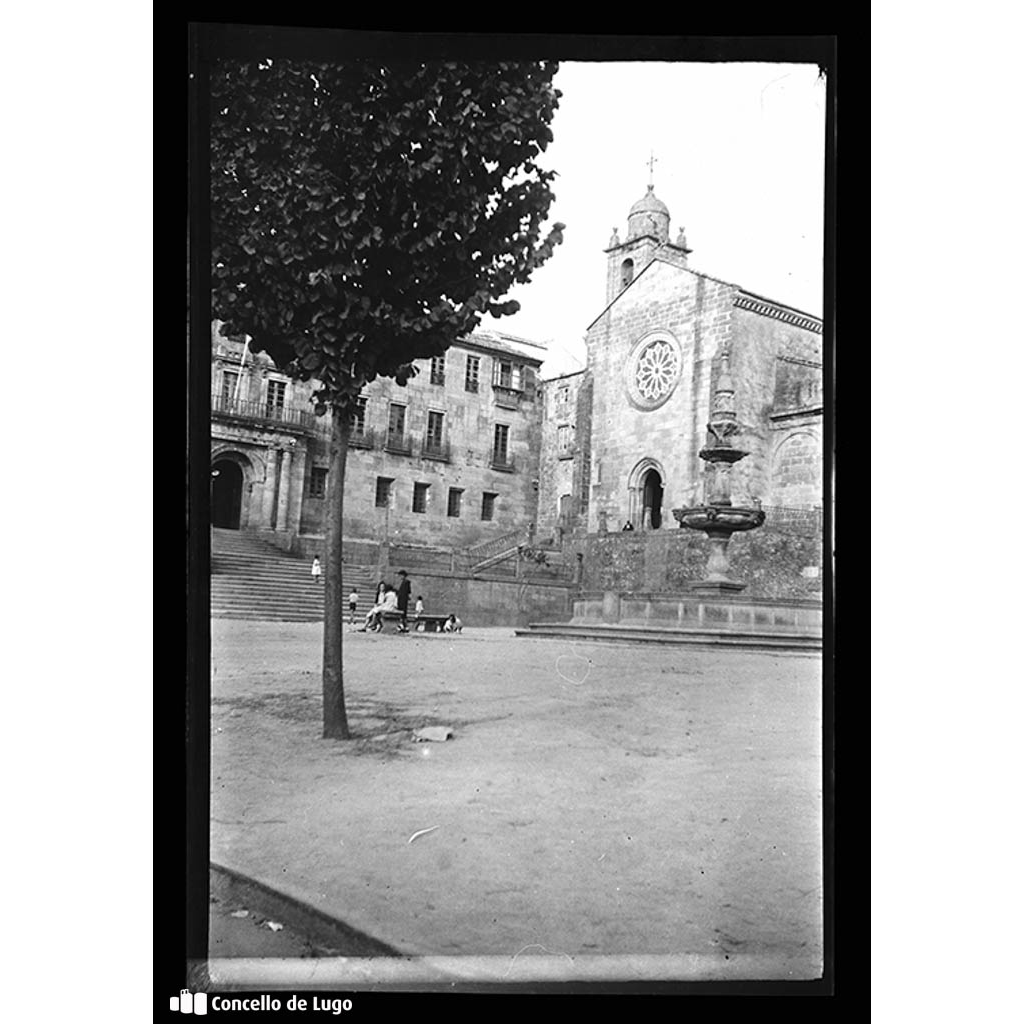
{"x":647,"y":232}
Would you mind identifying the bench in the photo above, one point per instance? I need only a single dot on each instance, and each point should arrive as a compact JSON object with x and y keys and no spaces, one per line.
{"x":430,"y":623}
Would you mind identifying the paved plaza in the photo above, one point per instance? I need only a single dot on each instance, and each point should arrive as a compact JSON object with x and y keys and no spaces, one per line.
{"x":602,"y":810}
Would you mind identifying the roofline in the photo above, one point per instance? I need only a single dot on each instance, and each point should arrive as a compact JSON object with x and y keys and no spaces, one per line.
{"x":562,"y":376}
{"x":781,"y":305}
{"x":659,"y":259}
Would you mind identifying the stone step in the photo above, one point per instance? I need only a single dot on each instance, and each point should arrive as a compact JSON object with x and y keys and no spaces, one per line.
{"x":749,"y":640}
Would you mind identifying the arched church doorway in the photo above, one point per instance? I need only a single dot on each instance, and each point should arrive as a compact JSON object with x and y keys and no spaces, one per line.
{"x":652,"y":493}
{"x":226,"y":495}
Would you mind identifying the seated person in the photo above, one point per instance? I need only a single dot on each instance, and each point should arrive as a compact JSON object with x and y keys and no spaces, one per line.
{"x":375,"y":616}
{"x":452,"y":624}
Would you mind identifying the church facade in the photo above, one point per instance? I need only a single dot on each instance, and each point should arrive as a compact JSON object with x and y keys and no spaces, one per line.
{"x":640,"y":409}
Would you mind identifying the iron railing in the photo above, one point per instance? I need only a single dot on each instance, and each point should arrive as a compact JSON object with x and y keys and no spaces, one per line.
{"x":263,"y":412}
{"x":506,"y":398}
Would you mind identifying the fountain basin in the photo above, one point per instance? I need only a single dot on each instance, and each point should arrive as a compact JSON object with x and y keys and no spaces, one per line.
{"x":719,"y":518}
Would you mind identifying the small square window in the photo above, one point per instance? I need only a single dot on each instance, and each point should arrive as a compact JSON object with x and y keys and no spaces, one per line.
{"x":487,"y":508}
{"x":419,"y":497}
{"x":383,"y":498}
{"x":454,"y":502}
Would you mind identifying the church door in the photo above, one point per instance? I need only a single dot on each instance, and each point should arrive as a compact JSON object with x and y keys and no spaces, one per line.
{"x":652,"y":497}
{"x":226,"y":495}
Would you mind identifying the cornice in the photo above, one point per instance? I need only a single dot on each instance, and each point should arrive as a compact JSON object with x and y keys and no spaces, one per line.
{"x":777,"y":312}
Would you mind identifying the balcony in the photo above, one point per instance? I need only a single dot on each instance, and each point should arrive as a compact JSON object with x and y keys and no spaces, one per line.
{"x":435,"y":449}
{"x":362,"y":438}
{"x":506,"y":398}
{"x":398,"y":443}
{"x":264,"y":414}
{"x":503,"y":463}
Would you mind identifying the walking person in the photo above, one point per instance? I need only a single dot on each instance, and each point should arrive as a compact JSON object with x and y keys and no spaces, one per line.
{"x":353,"y":600}
{"x":404,"y":590}
{"x":315,"y":571}
{"x":419,"y":612}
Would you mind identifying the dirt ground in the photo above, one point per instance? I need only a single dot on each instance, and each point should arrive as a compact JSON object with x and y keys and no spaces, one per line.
{"x":596,"y":799}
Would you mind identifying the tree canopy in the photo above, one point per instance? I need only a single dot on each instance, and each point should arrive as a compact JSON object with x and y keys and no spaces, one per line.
{"x":365,"y":215}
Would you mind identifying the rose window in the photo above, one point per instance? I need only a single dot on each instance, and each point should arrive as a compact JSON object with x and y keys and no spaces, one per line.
{"x":656,"y":370}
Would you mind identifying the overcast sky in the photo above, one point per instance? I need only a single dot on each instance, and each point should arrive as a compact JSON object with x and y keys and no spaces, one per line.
{"x":739,"y":151}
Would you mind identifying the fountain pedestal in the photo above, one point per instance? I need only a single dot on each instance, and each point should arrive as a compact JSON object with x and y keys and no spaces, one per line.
{"x":719,"y":519}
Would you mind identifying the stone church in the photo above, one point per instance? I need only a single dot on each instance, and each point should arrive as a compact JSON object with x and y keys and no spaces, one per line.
{"x":479,"y":447}
{"x":620,"y":439}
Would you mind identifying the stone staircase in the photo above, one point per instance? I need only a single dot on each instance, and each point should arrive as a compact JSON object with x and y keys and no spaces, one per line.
{"x":251,"y":579}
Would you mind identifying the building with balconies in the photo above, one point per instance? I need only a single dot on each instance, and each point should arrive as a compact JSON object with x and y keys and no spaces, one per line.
{"x":450,"y":459}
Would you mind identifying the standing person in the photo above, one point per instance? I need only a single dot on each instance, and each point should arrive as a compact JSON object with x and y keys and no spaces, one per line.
{"x":419,"y":611}
{"x":353,"y":600}
{"x":315,"y":570}
{"x":404,"y":590}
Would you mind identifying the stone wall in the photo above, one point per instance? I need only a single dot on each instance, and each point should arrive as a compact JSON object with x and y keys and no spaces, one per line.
{"x":776,"y":370}
{"x":772,"y":562}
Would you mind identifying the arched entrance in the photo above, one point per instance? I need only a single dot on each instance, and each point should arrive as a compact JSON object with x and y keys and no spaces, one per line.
{"x":226,"y":494}
{"x":652,"y":493}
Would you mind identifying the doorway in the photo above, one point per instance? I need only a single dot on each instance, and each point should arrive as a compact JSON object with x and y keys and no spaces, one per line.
{"x":653,"y":492}
{"x":226,"y":495}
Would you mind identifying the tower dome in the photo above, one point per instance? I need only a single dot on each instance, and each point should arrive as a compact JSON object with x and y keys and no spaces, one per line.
{"x":649,"y":216}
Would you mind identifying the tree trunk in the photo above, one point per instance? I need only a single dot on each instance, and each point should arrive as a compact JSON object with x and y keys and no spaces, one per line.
{"x":335,"y":720}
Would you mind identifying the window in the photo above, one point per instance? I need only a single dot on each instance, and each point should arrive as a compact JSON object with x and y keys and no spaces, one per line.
{"x":627,"y":273}
{"x":275,"y":399}
{"x":472,"y":373}
{"x":359,"y":416}
{"x":228,"y":384}
{"x":419,"y":497}
{"x":317,"y":482}
{"x":487,"y":508}
{"x":564,"y":439}
{"x":502,"y":375}
{"x":435,"y":429}
{"x":437,"y":370}
{"x":384,"y":491}
{"x":396,"y":421}
{"x":500,"y":442}
{"x":454,"y":502}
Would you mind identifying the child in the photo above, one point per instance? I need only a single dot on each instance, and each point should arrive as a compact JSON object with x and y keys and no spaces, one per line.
{"x":353,"y":598}
{"x":452,"y":624}
{"x":315,"y":570}
{"x":419,"y":612}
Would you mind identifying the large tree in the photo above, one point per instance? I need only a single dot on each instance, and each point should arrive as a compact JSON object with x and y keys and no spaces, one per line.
{"x":365,"y":215}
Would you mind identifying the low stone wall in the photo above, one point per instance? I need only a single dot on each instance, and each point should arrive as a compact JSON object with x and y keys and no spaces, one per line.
{"x":484,"y":601}
{"x":773,"y":563}
{"x":735,"y":612}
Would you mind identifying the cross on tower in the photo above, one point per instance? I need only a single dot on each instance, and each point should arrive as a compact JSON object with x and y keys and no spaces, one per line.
{"x":650,"y":164}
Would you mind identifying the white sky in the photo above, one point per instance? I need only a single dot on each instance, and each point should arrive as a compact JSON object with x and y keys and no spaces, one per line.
{"x":739,"y":152}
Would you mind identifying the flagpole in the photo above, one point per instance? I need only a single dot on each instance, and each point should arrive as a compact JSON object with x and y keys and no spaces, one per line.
{"x":241,"y":370}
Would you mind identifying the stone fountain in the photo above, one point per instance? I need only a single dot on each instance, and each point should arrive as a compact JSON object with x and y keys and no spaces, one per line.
{"x":718,"y":517}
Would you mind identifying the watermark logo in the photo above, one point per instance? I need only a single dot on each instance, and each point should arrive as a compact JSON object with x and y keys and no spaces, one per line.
{"x":186,"y":1002}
